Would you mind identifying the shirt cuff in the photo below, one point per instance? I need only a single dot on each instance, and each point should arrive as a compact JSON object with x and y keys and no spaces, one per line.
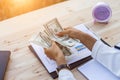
{"x":95,"y":48}
{"x":66,"y":74}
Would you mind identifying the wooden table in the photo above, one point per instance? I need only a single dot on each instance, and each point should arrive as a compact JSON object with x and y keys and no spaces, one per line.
{"x":15,"y":33}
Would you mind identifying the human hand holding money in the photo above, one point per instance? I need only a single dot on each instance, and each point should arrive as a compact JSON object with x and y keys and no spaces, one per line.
{"x":53,"y":27}
{"x":55,"y":53}
{"x":45,"y":37}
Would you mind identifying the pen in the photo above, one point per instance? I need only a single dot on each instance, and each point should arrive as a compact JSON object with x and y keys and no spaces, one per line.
{"x":117,"y":47}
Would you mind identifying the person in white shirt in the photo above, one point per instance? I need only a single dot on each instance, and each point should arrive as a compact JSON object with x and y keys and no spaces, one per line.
{"x":107,"y":56}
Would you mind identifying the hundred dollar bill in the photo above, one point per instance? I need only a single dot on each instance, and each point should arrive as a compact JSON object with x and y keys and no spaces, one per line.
{"x":41,"y":39}
{"x":45,"y":36}
{"x":53,"y":27}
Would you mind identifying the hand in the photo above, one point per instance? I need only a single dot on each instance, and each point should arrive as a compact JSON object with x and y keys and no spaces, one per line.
{"x":84,"y":38}
{"x":71,"y":32}
{"x":55,"y":53}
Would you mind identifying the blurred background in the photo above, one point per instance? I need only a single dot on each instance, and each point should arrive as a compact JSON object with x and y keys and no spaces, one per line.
{"x":12,"y":8}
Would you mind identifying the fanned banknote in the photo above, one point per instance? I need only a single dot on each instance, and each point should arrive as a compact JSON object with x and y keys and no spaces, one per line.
{"x":53,"y":27}
{"x":45,"y":37}
{"x":41,"y":40}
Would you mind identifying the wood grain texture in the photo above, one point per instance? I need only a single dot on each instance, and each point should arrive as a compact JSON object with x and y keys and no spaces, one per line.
{"x":15,"y":33}
{"x":12,"y":8}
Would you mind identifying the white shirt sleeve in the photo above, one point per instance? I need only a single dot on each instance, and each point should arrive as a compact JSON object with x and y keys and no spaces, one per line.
{"x":66,"y":74}
{"x":107,"y":56}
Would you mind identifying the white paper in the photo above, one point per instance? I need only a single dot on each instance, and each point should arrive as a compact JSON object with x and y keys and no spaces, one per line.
{"x":48,"y":63}
{"x":118,"y":44}
{"x":83,"y":28}
{"x":77,"y":55}
{"x":95,"y":71}
{"x":51,"y":64}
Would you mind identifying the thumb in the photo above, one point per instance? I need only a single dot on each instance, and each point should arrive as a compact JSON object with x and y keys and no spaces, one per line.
{"x":45,"y":50}
{"x":53,"y":44}
{"x":63,"y":33}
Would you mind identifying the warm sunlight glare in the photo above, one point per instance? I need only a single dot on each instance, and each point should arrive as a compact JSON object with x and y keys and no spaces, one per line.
{"x":19,"y":1}
{"x":11,"y":8}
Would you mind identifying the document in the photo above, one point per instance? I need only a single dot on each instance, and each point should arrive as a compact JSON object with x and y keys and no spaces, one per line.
{"x":93,"y":70}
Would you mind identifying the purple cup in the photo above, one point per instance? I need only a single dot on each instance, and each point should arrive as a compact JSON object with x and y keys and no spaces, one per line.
{"x":102,"y":12}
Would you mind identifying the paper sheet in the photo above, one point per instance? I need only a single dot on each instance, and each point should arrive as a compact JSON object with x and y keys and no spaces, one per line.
{"x":95,"y":71}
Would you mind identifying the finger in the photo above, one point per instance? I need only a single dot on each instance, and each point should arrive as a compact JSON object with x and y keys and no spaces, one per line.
{"x":67,"y":28}
{"x":45,"y":50}
{"x":63,"y":33}
{"x":53,"y":43}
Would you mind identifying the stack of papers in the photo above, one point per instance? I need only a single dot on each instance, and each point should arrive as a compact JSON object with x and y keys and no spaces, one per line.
{"x":93,"y":70}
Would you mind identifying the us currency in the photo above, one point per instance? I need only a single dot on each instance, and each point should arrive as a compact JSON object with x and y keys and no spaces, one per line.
{"x":53,"y":27}
{"x":41,"y":40}
{"x":44,"y":37}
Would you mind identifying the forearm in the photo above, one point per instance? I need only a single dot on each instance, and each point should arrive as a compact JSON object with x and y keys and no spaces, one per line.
{"x":107,"y":56}
{"x":87,"y":40}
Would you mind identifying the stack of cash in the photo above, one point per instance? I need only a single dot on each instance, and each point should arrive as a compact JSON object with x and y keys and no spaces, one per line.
{"x":45,"y":37}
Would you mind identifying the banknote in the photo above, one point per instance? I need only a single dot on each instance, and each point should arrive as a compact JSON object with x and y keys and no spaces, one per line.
{"x":41,"y":39}
{"x":45,"y":37}
{"x":53,"y":27}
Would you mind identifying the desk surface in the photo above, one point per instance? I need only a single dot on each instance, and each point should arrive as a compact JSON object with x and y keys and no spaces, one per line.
{"x":15,"y":33}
